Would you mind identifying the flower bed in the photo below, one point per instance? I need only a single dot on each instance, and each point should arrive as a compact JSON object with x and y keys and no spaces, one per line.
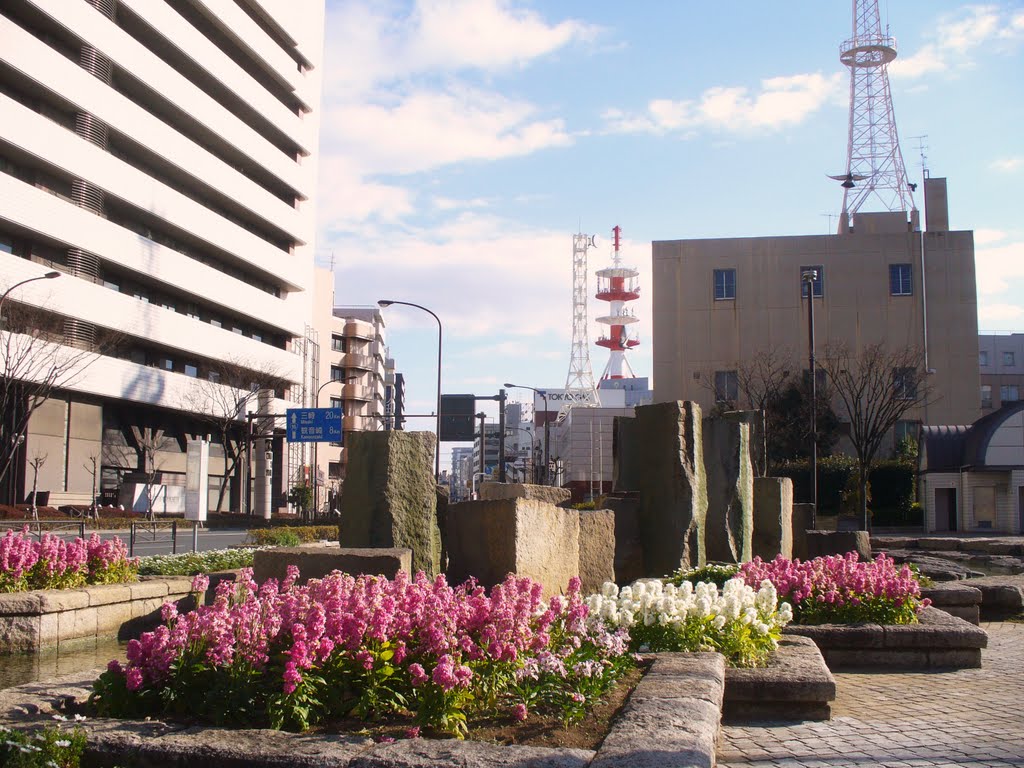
{"x":291,"y":656}
{"x":195,"y":563}
{"x":52,"y":563}
{"x":841,"y":589}
{"x":742,"y":624}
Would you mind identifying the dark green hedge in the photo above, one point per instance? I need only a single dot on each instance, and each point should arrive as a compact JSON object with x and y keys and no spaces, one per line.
{"x":892,"y":485}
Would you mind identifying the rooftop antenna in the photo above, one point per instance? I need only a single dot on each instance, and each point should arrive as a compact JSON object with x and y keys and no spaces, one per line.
{"x":873,"y":149}
{"x":922,"y":149}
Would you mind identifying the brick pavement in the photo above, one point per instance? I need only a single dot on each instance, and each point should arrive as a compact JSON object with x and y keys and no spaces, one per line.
{"x":971,"y":717}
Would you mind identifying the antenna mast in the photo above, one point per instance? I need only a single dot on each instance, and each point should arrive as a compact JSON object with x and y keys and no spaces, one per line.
{"x":579,"y":384}
{"x":873,"y":150}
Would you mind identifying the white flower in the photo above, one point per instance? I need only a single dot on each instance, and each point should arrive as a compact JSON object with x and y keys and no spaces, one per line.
{"x":610,"y":589}
{"x":62,"y":743}
{"x":719,"y":622}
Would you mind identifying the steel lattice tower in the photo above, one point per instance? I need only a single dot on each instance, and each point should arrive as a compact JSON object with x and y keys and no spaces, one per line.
{"x":874,"y":162}
{"x":580,"y":381}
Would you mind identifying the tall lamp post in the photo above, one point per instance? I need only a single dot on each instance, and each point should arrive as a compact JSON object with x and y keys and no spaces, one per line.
{"x":808,"y":276}
{"x":547,"y":424}
{"x":316,"y":446}
{"x":383,"y":303}
{"x":48,"y":276}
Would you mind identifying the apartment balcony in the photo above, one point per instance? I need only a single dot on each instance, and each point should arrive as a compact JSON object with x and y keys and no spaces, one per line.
{"x":355,"y":360}
{"x":356,"y":392}
{"x":352,"y":423}
{"x":359,"y":329}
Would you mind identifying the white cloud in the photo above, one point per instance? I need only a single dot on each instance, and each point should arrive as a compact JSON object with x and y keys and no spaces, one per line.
{"x":1007,"y":164}
{"x":958,"y":35}
{"x":992,"y":315}
{"x":997,"y":267}
{"x":988,"y":236}
{"x":780,"y":101}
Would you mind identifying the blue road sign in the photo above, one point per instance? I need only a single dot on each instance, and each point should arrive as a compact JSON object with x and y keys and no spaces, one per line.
{"x":314,"y":425}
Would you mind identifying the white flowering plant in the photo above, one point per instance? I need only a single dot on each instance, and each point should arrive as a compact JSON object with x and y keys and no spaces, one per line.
{"x":741,"y":623}
{"x":51,"y":747}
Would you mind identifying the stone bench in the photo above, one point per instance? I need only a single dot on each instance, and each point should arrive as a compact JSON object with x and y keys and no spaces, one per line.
{"x":796,"y":685}
{"x":30,"y":621}
{"x":1001,"y":596}
{"x":937,"y":641}
{"x":956,"y":599}
{"x":315,"y":561}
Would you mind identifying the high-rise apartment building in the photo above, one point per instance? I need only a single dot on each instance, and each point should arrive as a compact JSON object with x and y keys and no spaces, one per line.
{"x":160,"y":155}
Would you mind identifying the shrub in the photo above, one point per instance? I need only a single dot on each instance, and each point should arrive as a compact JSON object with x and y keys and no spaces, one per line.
{"x":194,"y":563}
{"x":292,"y":656}
{"x":742,"y":624}
{"x":48,"y":748}
{"x":52,"y":563}
{"x":839,"y":589}
{"x":715,"y":573}
{"x":290,"y":536}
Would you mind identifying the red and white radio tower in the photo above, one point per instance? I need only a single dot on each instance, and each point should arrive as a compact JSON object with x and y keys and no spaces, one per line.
{"x":617,"y":285}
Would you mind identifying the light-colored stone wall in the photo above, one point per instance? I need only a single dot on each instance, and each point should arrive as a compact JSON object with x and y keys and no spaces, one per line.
{"x":695,"y":335}
{"x":46,"y":618}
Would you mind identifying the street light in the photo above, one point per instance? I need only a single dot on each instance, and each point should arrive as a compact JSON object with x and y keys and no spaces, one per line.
{"x":48,"y":276}
{"x":808,"y":276}
{"x":316,"y":445}
{"x":547,"y":424}
{"x":383,"y":303}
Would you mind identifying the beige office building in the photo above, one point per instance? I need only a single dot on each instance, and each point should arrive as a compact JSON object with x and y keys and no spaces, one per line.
{"x":719,"y":302}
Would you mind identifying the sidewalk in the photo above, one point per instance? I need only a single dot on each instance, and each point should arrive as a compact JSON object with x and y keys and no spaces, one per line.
{"x":971,"y":717}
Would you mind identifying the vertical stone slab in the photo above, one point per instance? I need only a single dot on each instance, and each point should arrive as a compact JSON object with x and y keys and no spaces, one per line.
{"x":389,"y":498}
{"x":490,"y":539}
{"x":773,"y":517}
{"x":730,"y":483}
{"x":672,"y":486}
{"x":625,"y":469}
{"x":597,"y":548}
{"x":802,"y":514}
{"x":629,"y":553}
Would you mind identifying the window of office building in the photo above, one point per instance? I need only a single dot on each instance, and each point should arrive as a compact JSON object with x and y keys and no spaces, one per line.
{"x":986,"y":396}
{"x":726,"y":386}
{"x":819,"y":280}
{"x":338,"y":343}
{"x":904,"y":381}
{"x":1009,"y":359}
{"x":337,"y":373}
{"x":725,"y":284}
{"x":983,"y":358}
{"x":1009,"y":393}
{"x":900,"y":280}
{"x":906,"y":429}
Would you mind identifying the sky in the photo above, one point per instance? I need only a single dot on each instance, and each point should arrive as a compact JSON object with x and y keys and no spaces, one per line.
{"x":464,"y":142}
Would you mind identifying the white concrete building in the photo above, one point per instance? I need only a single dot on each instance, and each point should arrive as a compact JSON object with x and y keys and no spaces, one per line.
{"x":161,"y":155}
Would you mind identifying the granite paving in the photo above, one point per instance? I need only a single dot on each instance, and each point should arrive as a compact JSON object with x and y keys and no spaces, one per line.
{"x":969,"y":717}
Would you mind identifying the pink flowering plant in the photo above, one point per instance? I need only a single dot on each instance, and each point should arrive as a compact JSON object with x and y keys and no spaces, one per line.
{"x":842,"y":589}
{"x":52,"y":563}
{"x":291,"y":656}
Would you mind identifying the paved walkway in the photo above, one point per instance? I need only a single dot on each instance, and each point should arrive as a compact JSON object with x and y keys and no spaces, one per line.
{"x":971,"y":717}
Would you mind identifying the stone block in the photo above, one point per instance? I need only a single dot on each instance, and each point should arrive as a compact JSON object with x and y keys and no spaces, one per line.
{"x":431,"y":753}
{"x":54,"y":600}
{"x":625,"y":467}
{"x":803,"y":514}
{"x":1000,"y":595}
{"x":773,"y":517}
{"x":19,"y":633}
{"x":729,"y":474}
{"x":796,"y":673}
{"x":389,"y":498}
{"x":939,"y":544}
{"x":652,"y":733}
{"x":960,"y":658}
{"x":952,"y":594}
{"x":672,"y":486}
{"x":490,"y":539}
{"x":76,"y":623}
{"x":111,"y":616}
{"x":547,"y":493}
{"x":629,"y":554}
{"x":19,"y":603}
{"x":106,"y":594}
{"x":145,"y":589}
{"x":317,"y":562}
{"x":49,"y":629}
{"x":935,"y":630}
{"x":871,"y":659}
{"x":821,"y":543}
{"x":683,"y":675}
{"x":597,"y":548}
{"x":828,"y":636}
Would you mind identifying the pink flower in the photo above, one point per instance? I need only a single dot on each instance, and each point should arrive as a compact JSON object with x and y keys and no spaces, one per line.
{"x":412,"y":732}
{"x":133,"y":679}
{"x":200,"y":583}
{"x":417,"y":674}
{"x":519,"y":712}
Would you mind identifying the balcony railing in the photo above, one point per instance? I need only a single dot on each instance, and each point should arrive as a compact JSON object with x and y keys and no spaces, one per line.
{"x":353,"y":360}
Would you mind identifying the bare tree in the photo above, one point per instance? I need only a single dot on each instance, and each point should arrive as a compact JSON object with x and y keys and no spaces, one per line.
{"x":92,"y":467}
{"x":36,"y":462}
{"x":150,"y":443}
{"x":222,"y":400}
{"x":875,"y":388}
{"x":33,"y":365}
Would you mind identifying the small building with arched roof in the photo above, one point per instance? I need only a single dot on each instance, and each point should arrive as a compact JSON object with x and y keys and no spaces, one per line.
{"x":971,"y":478}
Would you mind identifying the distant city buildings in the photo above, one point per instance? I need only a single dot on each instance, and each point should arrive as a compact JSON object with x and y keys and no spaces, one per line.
{"x":1001,"y":365}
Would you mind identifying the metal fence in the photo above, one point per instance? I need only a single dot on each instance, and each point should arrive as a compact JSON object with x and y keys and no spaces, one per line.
{"x":38,"y":527}
{"x":157,"y":532}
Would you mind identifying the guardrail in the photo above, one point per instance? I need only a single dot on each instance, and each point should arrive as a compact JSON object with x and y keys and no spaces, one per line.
{"x":153,"y":530}
{"x":51,"y":526}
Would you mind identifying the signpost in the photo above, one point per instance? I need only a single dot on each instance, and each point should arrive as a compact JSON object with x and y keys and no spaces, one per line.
{"x":314,"y":425}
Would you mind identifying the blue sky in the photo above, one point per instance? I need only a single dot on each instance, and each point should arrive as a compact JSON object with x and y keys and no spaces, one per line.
{"x":463,"y":142}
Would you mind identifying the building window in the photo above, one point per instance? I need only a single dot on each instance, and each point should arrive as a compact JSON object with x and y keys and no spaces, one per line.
{"x":1008,"y":393}
{"x":338,"y":343}
{"x":725,"y":284}
{"x":983,"y":358}
{"x":906,"y":429}
{"x":900,"y":280}
{"x":1008,"y":359}
{"x":337,"y":373}
{"x":819,"y":280}
{"x":904,"y":382}
{"x":191,"y":370}
{"x":986,"y":396}
{"x":213,"y":376}
{"x":726,"y":387}
{"x":167,"y":364}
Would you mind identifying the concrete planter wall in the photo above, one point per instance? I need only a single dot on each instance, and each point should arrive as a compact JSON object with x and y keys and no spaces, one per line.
{"x":30,"y":621}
